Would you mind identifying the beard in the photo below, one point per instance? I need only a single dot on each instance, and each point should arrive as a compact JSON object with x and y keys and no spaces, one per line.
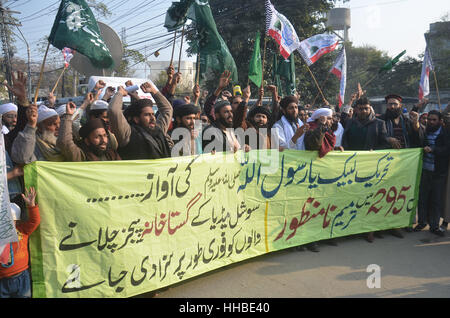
{"x":96,"y":150}
{"x":225,"y":123}
{"x":432,"y":129}
{"x":393,"y":114}
{"x":49,"y":137}
{"x":292,"y":119}
{"x":260,"y":125}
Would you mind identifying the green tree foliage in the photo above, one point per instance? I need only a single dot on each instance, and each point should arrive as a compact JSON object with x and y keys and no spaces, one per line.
{"x":363,"y":64}
{"x":238,"y":21}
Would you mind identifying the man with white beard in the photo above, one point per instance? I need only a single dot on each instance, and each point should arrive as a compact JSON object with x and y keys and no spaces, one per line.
{"x":38,"y":139}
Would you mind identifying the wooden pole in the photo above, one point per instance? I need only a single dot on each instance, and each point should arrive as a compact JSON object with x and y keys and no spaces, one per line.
{"x":263,"y":61}
{"x":437,"y":90}
{"x":317,"y":84}
{"x":317,"y":96}
{"x":41,"y":74}
{"x":181,"y":49}
{"x":173,"y":47}
{"x":369,"y":81}
{"x":197,"y":80}
{"x":59,"y":78}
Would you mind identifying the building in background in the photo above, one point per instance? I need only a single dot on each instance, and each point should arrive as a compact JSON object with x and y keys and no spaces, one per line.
{"x":158,"y":74}
{"x":438,"y":40}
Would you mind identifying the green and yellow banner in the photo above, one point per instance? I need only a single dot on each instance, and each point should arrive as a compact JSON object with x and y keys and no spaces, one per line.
{"x":124,"y":228}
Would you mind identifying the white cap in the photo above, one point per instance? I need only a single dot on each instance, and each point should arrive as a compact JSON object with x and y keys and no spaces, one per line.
{"x":15,"y":211}
{"x":44,"y":113}
{"x":6,"y":108}
{"x":99,"y":104}
{"x":61,"y":110}
{"x":319,"y":113}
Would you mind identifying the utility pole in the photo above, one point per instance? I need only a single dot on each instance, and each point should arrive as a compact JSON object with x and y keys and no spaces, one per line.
{"x":5,"y":19}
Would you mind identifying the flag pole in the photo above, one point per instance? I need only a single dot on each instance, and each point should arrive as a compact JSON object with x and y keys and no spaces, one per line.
{"x":437,"y":90}
{"x":181,"y":49}
{"x":173,"y":47}
{"x":263,"y":61}
{"x":197,"y":80}
{"x":369,"y":81}
{"x":59,"y":78}
{"x":41,"y":74}
{"x":317,"y":84}
{"x":324,"y":82}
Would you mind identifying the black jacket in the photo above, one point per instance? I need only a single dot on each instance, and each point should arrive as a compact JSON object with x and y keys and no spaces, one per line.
{"x":145,"y":145}
{"x":376,"y":137}
{"x":412,"y":137}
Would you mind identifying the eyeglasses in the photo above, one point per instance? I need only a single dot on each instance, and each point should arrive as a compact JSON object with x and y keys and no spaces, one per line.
{"x":10,"y":116}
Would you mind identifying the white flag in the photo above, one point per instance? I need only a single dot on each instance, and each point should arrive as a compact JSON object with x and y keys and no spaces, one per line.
{"x":314,"y":47}
{"x":427,"y":66}
{"x":281,"y":30}
{"x":340,"y":70}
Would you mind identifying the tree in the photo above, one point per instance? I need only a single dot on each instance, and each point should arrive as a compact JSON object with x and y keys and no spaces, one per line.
{"x":237,"y":22}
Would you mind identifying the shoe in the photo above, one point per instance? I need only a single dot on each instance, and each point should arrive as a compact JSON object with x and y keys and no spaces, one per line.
{"x":378,"y":234}
{"x":397,"y":233}
{"x":419,"y":227}
{"x":370,"y":238}
{"x":313,"y":247}
{"x":408,"y":229}
{"x":443,"y":226}
{"x":438,"y":232}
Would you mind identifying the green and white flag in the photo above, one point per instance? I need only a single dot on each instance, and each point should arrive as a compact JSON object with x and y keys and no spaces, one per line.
{"x":214,"y":53}
{"x":176,"y":15}
{"x":75,"y":27}
{"x":255,"y":68}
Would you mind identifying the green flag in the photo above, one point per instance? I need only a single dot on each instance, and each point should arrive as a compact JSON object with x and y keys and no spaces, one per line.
{"x":389,"y":65}
{"x":75,"y":27}
{"x":286,"y":71}
{"x":214,"y":53}
{"x":176,"y":15}
{"x":255,"y":68}
{"x":276,"y":76}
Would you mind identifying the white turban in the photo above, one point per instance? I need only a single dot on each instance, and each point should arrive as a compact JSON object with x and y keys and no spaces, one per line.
{"x":99,"y":104}
{"x":319,"y":113}
{"x":6,"y":108}
{"x":15,"y":211}
{"x":61,"y":110}
{"x":44,"y":113}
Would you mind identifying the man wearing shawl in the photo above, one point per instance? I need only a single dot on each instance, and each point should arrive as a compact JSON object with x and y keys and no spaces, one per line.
{"x":290,"y":128}
{"x":319,"y":135}
{"x":38,"y":139}
{"x":94,"y":144}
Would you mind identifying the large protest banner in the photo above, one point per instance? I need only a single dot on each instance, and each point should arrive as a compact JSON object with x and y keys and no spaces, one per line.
{"x":123,"y":228}
{"x":8,"y":232}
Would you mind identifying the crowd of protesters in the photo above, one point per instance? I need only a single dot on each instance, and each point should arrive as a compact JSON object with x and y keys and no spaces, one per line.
{"x":104,"y":129}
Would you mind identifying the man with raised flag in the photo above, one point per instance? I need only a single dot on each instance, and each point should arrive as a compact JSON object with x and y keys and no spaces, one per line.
{"x":340,"y":70}
{"x":427,"y":66}
{"x":281,"y":30}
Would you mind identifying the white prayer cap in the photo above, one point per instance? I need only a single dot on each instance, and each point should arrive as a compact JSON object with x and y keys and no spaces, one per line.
{"x":44,"y":113}
{"x":15,"y":211}
{"x":6,"y":108}
{"x":61,"y":110}
{"x":319,"y":113}
{"x":99,"y":104}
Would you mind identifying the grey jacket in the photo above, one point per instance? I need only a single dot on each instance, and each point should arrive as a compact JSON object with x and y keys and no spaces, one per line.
{"x":24,"y":150}
{"x":120,"y":126}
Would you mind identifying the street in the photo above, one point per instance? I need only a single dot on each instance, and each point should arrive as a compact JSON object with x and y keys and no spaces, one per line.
{"x":416,"y":266}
